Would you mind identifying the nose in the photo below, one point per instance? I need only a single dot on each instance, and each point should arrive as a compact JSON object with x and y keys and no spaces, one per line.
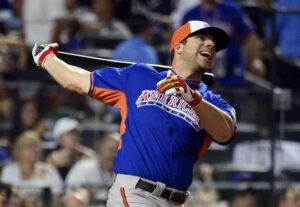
{"x":209,"y":43}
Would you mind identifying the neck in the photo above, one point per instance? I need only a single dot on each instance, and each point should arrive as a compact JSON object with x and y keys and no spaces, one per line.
{"x":27,"y":169}
{"x":187,"y":71}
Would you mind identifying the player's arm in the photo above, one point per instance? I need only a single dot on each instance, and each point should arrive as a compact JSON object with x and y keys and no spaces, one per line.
{"x":215,"y":121}
{"x":68,"y":76}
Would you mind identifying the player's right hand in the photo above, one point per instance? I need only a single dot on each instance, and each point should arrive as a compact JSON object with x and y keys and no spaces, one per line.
{"x":174,"y":84}
{"x":40,"y":52}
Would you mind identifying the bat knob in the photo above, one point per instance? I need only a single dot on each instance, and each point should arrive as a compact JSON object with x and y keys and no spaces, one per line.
{"x":208,"y":79}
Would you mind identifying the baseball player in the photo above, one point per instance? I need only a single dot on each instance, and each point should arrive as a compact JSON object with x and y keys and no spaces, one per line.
{"x":169,"y":118}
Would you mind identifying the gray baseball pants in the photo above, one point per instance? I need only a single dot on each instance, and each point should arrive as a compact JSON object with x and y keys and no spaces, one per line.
{"x":124,"y":193}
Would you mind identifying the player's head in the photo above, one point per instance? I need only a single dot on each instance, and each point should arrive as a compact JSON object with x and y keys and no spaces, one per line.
{"x":198,"y":41}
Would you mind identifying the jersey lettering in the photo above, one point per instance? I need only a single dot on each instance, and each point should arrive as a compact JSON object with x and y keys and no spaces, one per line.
{"x":171,"y":104}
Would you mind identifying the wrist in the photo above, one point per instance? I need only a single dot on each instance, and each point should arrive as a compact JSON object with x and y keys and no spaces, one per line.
{"x":47,"y":61}
{"x":197,"y":99}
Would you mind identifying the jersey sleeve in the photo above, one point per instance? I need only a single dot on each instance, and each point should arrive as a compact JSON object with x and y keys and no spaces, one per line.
{"x":108,"y":85}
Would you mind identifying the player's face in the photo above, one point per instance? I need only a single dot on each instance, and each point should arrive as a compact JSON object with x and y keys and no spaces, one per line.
{"x":201,"y":50}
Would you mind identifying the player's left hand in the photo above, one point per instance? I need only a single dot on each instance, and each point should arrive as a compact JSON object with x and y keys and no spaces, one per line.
{"x":174,"y":84}
{"x":40,"y":52}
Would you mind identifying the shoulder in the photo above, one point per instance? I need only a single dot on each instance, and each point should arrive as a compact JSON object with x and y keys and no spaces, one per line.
{"x":130,"y":67}
{"x":128,"y":44}
{"x":54,"y":156}
{"x":118,"y":23}
{"x":82,"y":170}
{"x":46,"y":167}
{"x":86,"y":151}
{"x":10,"y":167}
{"x":149,"y":48}
{"x":136,"y":70}
{"x":142,"y":67}
{"x":10,"y":173}
{"x":86,"y":165}
{"x":207,"y":94}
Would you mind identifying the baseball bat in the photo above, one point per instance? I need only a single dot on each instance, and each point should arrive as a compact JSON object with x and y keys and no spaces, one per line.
{"x":208,"y":78}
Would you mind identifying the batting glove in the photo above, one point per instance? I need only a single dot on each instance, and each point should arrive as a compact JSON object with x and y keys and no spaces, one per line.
{"x":40,"y":52}
{"x":174,"y":84}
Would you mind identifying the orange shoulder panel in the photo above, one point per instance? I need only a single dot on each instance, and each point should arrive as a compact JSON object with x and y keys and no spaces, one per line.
{"x":114,"y":98}
{"x":205,"y":146}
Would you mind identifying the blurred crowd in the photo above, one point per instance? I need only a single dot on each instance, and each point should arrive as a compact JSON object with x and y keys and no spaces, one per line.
{"x":47,"y":155}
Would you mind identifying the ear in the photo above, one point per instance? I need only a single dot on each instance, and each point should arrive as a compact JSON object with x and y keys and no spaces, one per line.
{"x":178,"y":48}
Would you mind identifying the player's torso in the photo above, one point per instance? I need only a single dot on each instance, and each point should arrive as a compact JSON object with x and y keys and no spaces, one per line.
{"x":162,"y":136}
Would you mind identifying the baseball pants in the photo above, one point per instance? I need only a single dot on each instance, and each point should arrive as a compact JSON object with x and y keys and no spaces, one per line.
{"x":124,"y":193}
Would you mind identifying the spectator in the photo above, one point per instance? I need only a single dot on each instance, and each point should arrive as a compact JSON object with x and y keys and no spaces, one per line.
{"x":66,"y":135}
{"x":89,"y":180}
{"x":72,"y":30}
{"x":286,"y":39}
{"x":244,"y":198}
{"x":42,"y":19}
{"x":6,"y":106}
{"x":5,"y":10}
{"x":229,"y":67}
{"x":5,"y":156}
{"x":5,"y":195}
{"x":73,"y":38}
{"x":158,"y":10}
{"x":104,"y":21}
{"x":28,"y":176}
{"x":139,"y":45}
{"x":257,"y":153}
{"x":11,"y":48}
{"x":28,"y":118}
{"x":288,"y":30}
{"x":11,"y":18}
{"x":205,"y":195}
{"x":182,"y":6}
{"x":77,"y":11}
{"x":289,"y":197}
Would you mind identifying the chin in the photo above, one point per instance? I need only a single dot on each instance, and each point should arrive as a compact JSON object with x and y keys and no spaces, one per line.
{"x":205,"y":67}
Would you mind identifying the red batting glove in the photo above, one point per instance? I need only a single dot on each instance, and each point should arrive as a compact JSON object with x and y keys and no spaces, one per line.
{"x":174,"y":84}
{"x":40,"y":52}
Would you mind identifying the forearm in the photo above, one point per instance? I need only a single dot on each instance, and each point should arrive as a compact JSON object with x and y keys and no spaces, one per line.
{"x":68,"y":76}
{"x":216,"y":122}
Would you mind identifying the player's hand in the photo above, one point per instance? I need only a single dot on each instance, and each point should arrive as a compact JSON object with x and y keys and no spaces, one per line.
{"x":40,"y":52}
{"x":174,"y":84}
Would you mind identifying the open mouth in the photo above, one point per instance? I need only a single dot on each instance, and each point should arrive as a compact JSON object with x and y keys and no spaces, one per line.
{"x":206,"y":54}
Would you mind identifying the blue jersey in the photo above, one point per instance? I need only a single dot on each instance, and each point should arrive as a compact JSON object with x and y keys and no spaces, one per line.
{"x":162,"y":136}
